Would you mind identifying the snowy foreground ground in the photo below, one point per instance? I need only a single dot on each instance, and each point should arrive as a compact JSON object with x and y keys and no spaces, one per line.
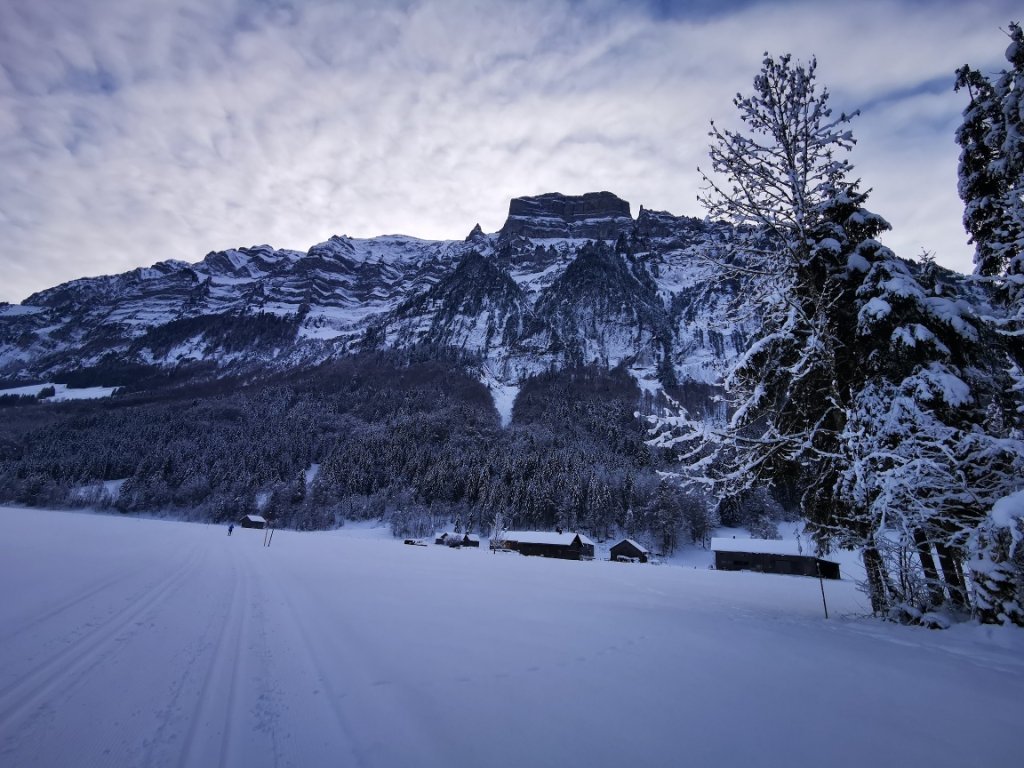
{"x":127,"y":642}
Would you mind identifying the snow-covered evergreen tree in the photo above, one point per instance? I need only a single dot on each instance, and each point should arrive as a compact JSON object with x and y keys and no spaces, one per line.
{"x":992,"y":170}
{"x":992,"y":188}
{"x":784,"y":165}
{"x":997,"y":566}
{"x":924,"y":463}
{"x":981,"y":181}
{"x":783,"y":175}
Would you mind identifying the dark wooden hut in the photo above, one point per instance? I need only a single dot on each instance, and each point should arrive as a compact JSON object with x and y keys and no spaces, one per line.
{"x":628,"y":550}
{"x":770,"y":556}
{"x":566,"y":546}
{"x":253,"y":521}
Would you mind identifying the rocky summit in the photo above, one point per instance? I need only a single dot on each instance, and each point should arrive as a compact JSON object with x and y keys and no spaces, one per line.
{"x":595,"y":215}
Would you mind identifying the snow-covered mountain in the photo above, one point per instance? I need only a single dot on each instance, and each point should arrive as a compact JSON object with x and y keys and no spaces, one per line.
{"x":387,"y":363}
{"x":566,"y":280}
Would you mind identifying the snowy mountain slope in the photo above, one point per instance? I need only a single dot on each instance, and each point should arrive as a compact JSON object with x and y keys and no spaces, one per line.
{"x":603,"y":308}
{"x":477,"y":306}
{"x":334,"y":286}
{"x":566,"y":280}
{"x":134,"y":642}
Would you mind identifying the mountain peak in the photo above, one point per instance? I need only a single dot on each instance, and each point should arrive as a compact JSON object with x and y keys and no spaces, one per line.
{"x":594,"y":215}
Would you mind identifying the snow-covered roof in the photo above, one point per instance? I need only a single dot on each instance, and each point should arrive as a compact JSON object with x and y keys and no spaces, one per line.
{"x":256,"y":518}
{"x":544,"y":537}
{"x":635,"y":544}
{"x":760,"y":546}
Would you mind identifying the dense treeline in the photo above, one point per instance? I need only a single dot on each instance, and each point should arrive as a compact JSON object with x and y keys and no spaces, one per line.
{"x":408,"y":436}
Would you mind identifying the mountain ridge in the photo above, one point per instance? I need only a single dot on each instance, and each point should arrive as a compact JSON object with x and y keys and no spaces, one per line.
{"x":567,"y":280}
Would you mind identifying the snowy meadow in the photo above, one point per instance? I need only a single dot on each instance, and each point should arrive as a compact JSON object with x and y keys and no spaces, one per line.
{"x":134,"y":642}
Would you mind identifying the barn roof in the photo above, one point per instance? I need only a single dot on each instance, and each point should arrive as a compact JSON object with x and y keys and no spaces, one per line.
{"x":759,"y":546}
{"x":635,"y":544}
{"x":256,"y":518}
{"x":544,"y":537}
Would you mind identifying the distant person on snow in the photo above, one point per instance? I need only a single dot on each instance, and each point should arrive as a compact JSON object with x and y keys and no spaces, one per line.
{"x":231,"y":527}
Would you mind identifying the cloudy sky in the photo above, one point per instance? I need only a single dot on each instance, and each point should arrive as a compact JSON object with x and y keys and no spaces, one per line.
{"x":132,"y":132}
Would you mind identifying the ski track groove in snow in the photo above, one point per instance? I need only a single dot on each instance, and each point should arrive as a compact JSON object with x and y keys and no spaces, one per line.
{"x":20,"y":702}
{"x":266,"y":711}
{"x":61,"y":607}
{"x":327,"y":691}
{"x":211,"y":722}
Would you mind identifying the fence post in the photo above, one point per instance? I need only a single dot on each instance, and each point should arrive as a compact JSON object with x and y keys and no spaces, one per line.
{"x":821,"y":583}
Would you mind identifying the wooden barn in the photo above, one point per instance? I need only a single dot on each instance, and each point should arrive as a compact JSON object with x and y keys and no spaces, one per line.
{"x":253,"y":521}
{"x":566,"y":546}
{"x":770,"y":556}
{"x":457,"y":540}
{"x":627,"y":551}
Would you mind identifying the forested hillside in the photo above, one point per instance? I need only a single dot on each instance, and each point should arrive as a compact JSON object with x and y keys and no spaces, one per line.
{"x":404,"y":435}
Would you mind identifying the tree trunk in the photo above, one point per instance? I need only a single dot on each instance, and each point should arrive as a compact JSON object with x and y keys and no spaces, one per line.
{"x":875,"y":569}
{"x":952,"y":575}
{"x":931,"y":574}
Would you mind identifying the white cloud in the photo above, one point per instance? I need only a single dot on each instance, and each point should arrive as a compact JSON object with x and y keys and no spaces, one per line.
{"x":129,"y":135}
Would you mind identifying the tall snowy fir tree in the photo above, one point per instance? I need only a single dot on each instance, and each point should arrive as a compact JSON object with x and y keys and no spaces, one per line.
{"x":778,"y":177}
{"x":992,"y":187}
{"x":783,"y":181}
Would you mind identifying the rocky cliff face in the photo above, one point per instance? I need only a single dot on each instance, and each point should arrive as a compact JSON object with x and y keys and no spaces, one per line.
{"x":595,"y":216}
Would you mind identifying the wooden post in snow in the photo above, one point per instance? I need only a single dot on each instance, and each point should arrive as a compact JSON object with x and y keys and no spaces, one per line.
{"x":821,"y":583}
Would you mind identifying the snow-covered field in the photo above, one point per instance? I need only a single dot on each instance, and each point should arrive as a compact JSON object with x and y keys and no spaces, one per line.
{"x":128,"y":642}
{"x":61,"y":392}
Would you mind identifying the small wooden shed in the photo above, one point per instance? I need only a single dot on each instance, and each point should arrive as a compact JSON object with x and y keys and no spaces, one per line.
{"x":253,"y":521}
{"x":566,"y":546}
{"x":628,"y":550}
{"x":770,"y":556}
